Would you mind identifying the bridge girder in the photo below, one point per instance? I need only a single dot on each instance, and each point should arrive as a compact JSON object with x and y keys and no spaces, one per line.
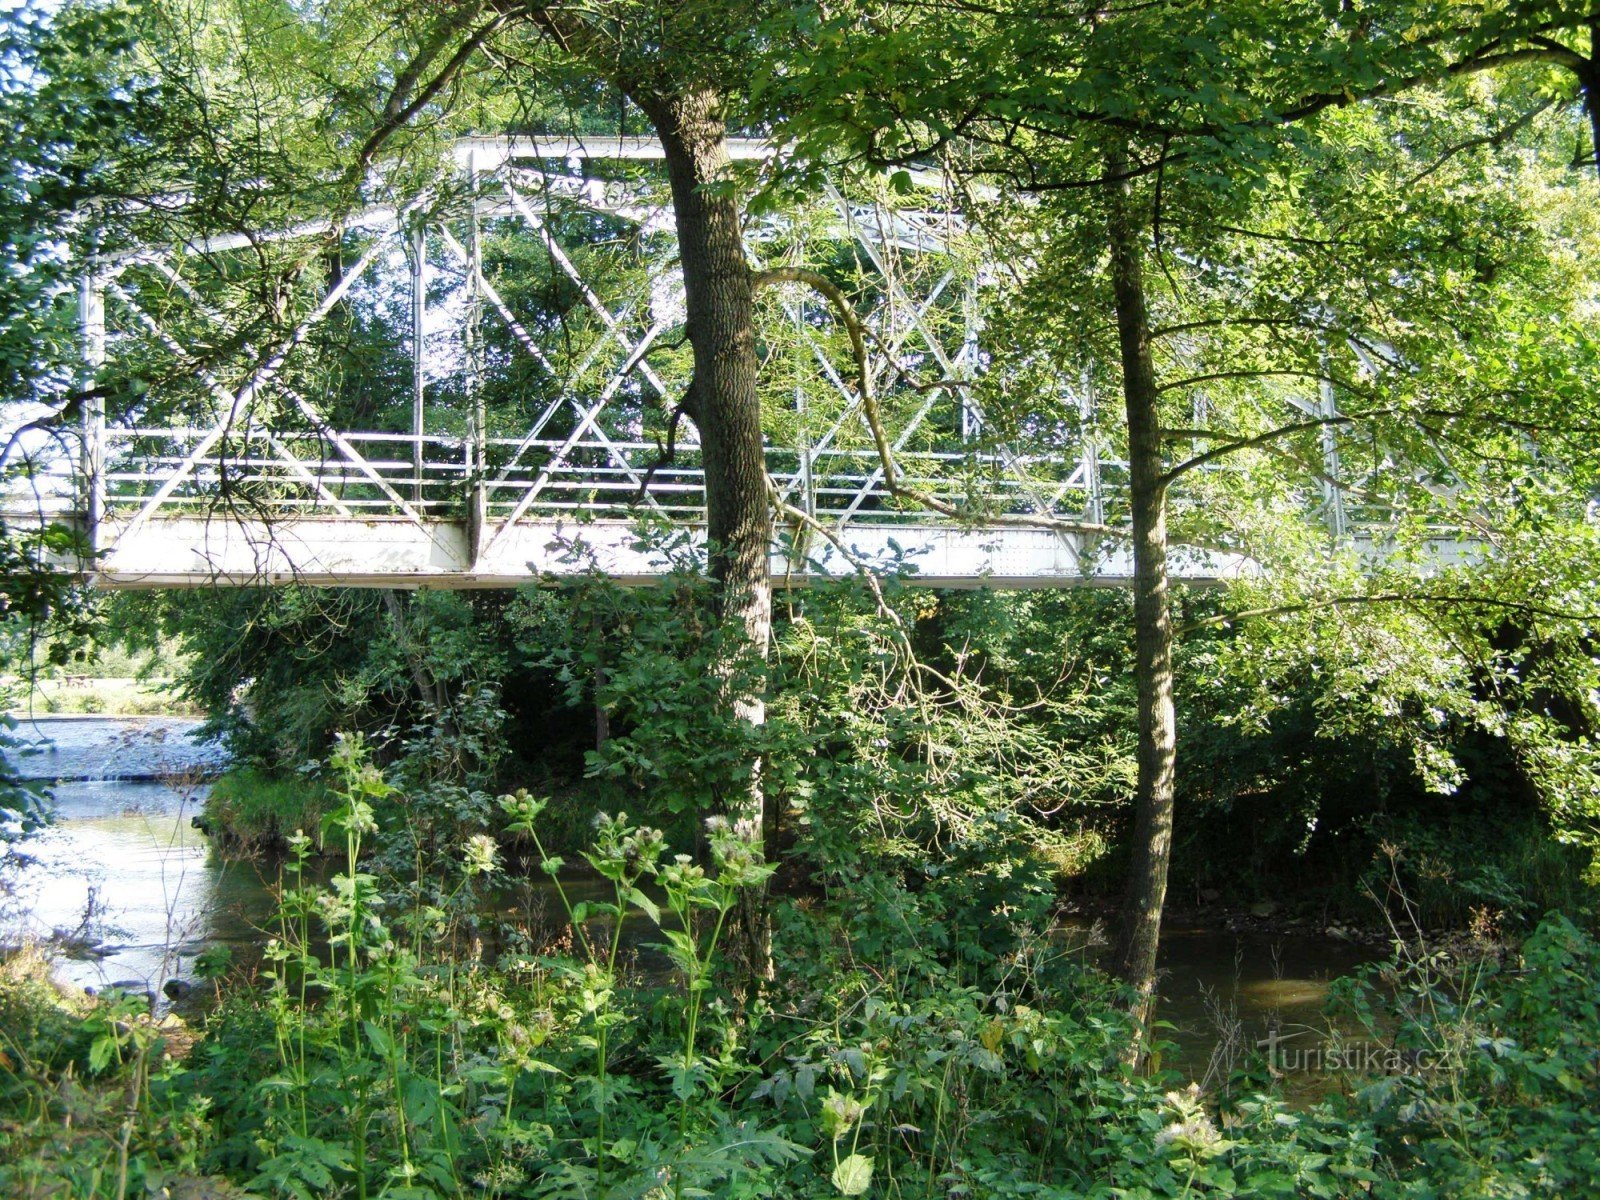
{"x":249,"y":496}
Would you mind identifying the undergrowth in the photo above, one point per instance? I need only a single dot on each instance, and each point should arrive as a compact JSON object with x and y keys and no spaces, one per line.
{"x":927,"y":1036}
{"x":251,"y":808}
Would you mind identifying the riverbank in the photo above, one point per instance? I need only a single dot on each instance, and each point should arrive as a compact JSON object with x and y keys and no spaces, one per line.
{"x":73,"y":695}
{"x":249,"y":813}
{"x":1007,"y":1083}
{"x":130,"y":887}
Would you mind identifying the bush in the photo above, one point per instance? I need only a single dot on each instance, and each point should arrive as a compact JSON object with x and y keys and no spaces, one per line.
{"x":927,"y":1038}
{"x":1507,"y":1094}
{"x":248,"y":808}
{"x":87,"y":1107}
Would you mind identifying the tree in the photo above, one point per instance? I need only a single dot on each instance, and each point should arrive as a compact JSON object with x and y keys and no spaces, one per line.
{"x":685,"y":93}
{"x":57,"y":112}
{"x":1153,"y":131}
{"x":249,"y":132}
{"x":1122,"y":125}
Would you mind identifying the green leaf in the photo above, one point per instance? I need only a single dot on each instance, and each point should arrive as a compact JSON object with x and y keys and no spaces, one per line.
{"x":645,"y":905}
{"x":380,"y":1039}
{"x":101,"y":1051}
{"x":853,"y":1175}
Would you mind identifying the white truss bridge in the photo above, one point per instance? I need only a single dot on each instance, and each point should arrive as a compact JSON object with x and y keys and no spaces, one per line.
{"x":514,"y":430}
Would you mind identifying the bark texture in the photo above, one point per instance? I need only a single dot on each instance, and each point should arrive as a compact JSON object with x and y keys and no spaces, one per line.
{"x":1590,"y":78}
{"x":726,"y":407}
{"x":1157,"y":755}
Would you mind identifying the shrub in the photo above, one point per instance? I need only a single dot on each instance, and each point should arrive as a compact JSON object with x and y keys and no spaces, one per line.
{"x":251,"y":809}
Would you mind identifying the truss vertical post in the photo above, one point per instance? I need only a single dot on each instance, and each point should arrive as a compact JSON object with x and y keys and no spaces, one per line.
{"x":971,"y":421}
{"x":1095,"y":506}
{"x":419,"y":373}
{"x":478,"y":477}
{"x":808,"y":483}
{"x":804,"y":452}
{"x":1332,"y":493}
{"x":92,"y":332}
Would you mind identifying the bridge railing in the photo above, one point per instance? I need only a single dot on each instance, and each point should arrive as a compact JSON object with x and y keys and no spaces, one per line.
{"x":150,"y":473}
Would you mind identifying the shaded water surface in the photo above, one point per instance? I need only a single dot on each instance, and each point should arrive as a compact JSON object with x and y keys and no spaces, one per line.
{"x":1224,"y":993}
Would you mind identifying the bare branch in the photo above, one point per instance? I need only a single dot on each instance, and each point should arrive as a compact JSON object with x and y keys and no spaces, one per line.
{"x":1498,"y":138}
{"x":669,"y":452}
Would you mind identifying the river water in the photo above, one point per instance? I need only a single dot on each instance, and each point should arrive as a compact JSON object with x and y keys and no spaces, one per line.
{"x":130,"y":892}
{"x":121,"y":884}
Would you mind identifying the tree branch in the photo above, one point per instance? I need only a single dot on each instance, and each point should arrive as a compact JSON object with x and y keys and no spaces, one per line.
{"x":1280,"y":610}
{"x":1498,"y":138}
{"x":670,"y":451}
{"x":1261,"y":373}
{"x":1212,"y":455}
{"x":399,"y":109}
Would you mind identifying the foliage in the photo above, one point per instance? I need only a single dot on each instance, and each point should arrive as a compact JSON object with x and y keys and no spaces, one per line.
{"x":69,"y":101}
{"x":1328,"y":748}
{"x":278,"y":670}
{"x":407,"y":1069}
{"x":908,"y":718}
{"x":249,"y":808}
{"x":927,"y":757}
{"x":1504,"y":1103}
{"x":649,"y":661}
{"x":930,"y":1038}
{"x":22,"y":802}
{"x":65,"y":97}
{"x":86,"y":1089}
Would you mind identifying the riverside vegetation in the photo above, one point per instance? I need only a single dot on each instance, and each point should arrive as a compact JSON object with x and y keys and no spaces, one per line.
{"x":1280,"y":263}
{"x":929,"y":1033}
{"x":921,"y":1044}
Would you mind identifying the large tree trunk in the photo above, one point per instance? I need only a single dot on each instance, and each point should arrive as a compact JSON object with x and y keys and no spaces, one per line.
{"x":726,"y":407}
{"x":1152,"y":833}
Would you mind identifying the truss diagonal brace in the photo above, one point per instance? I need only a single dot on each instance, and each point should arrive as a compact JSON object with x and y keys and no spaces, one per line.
{"x":284,"y":455}
{"x":253,"y":387}
{"x":572,"y":272}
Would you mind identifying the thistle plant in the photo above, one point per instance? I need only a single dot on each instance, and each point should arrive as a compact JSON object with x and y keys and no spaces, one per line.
{"x":630,"y":858}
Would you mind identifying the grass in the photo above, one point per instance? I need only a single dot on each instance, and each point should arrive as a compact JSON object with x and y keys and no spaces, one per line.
{"x":120,"y":697}
{"x":251,"y":809}
{"x":113,"y":681}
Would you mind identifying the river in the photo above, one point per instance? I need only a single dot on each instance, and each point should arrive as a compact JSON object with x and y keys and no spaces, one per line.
{"x":130,"y":892}
{"x":121,"y":883}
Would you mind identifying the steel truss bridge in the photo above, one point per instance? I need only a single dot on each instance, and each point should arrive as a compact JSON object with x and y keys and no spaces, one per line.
{"x":519,"y":322}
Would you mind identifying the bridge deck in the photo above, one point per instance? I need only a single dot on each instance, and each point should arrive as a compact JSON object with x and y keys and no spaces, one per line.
{"x":224,"y":551}
{"x":219,"y":550}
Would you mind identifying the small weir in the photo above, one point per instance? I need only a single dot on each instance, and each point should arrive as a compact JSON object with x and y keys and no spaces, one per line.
{"x":120,"y":887}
